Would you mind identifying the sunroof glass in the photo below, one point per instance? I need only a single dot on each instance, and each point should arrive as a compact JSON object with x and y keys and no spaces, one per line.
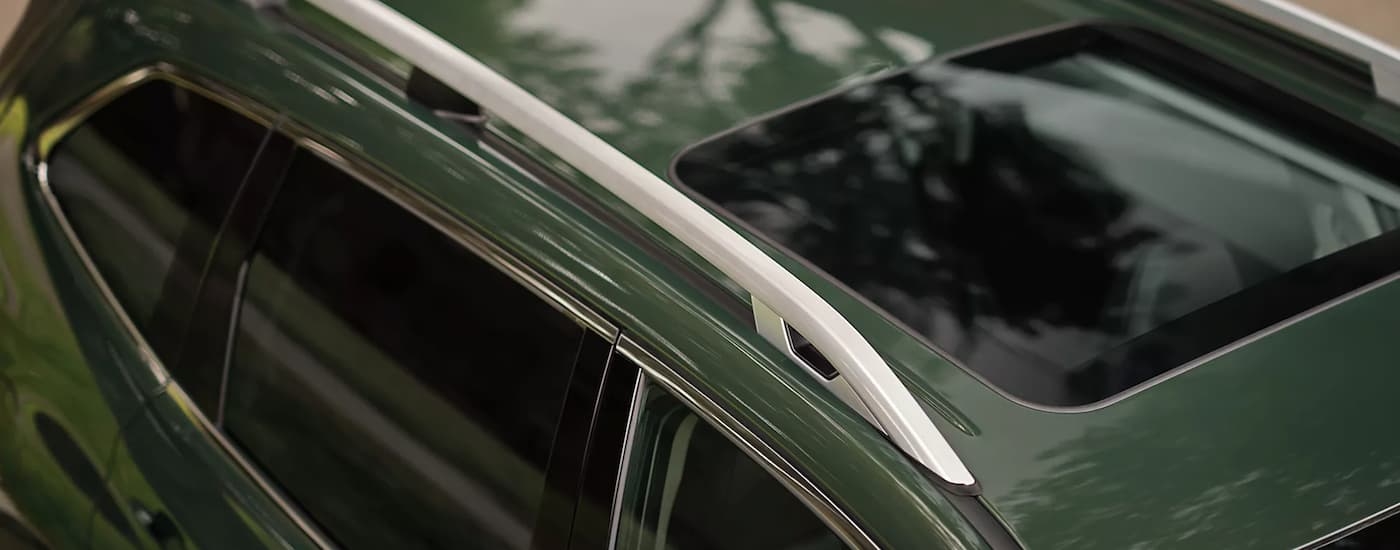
{"x":1069,"y":216}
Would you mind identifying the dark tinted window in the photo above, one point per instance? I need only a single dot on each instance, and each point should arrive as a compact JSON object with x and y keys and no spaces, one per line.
{"x":144,"y":183}
{"x":1383,"y":535}
{"x":689,"y":488}
{"x":403,"y":391}
{"x":1071,"y":226}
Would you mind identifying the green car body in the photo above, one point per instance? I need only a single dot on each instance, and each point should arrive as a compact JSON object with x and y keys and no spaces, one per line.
{"x":1273,"y":443}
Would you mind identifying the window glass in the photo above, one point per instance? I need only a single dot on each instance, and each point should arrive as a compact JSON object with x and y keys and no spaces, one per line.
{"x":400,"y":389}
{"x":1068,"y":228}
{"x":145,"y":183}
{"x":1384,"y":534}
{"x":689,"y":488}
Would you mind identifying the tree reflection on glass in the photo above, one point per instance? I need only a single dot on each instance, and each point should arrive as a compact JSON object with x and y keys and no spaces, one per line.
{"x":952,"y":218}
{"x":1017,"y":221}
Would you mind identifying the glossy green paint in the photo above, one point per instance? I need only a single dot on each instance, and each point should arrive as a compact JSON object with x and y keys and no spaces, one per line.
{"x":164,"y":464}
{"x":1270,"y":445}
{"x":56,"y":425}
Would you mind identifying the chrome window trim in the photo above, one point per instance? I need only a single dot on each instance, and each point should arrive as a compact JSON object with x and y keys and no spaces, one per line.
{"x":37,"y":157}
{"x":804,"y":489}
{"x":147,"y":353}
{"x":620,"y":485}
{"x":209,"y":430}
{"x":79,"y":113}
{"x":456,"y":229}
{"x":441,"y":220}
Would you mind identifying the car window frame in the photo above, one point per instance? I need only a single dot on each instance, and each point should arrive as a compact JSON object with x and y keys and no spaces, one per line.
{"x":301,"y":137}
{"x":54,"y":133}
{"x":623,"y":392}
{"x":39,"y":152}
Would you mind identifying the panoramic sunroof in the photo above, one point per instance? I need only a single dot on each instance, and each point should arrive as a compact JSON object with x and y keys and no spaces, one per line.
{"x":1068,"y":215}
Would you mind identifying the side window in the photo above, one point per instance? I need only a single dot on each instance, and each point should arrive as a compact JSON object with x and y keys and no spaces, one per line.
{"x":688,"y":487}
{"x":401,"y":390}
{"x":144,"y":183}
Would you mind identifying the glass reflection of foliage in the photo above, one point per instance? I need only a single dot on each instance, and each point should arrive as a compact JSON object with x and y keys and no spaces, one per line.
{"x":695,"y":86}
{"x":1067,"y":224}
{"x":962,"y":211}
{"x":683,"y":77}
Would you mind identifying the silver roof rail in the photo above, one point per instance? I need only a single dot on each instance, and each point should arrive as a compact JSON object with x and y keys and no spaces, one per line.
{"x":889,"y":402}
{"x":1383,"y":59}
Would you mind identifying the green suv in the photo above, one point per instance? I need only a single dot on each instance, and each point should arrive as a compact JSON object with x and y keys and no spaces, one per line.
{"x":752,"y":274}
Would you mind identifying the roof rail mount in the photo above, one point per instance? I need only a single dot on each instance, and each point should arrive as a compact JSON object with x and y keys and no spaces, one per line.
{"x":423,"y":89}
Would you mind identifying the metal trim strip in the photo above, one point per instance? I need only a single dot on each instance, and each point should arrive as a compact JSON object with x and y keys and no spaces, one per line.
{"x":628,"y":441}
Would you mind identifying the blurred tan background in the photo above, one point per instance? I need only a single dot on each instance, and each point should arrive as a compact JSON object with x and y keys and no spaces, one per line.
{"x":10,"y":11}
{"x":1378,"y":18}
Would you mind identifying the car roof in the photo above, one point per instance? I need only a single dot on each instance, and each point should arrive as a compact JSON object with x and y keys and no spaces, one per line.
{"x":1258,"y":442}
{"x":262,"y":62}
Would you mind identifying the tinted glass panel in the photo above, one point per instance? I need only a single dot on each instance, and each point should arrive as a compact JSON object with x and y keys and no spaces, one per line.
{"x":1071,"y":226}
{"x":403,"y":391}
{"x":145,"y":183}
{"x":1384,"y":535}
{"x":690,"y":488}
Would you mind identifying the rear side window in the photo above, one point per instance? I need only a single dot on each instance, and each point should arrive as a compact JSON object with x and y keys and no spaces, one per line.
{"x":1069,"y":215}
{"x":401,"y":390}
{"x":144,"y":183}
{"x":687,"y":487}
